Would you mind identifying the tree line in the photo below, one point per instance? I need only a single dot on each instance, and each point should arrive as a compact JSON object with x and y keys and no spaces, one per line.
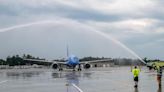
{"x":17,"y":60}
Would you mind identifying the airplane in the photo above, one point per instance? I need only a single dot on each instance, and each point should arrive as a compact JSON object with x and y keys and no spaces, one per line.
{"x":71,"y":62}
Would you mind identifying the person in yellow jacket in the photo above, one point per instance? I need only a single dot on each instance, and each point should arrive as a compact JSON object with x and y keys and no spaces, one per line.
{"x":136,"y":73}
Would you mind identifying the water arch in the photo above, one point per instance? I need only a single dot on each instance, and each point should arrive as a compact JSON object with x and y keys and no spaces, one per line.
{"x":62,"y":29}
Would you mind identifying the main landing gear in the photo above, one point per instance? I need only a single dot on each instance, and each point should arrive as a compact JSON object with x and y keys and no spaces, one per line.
{"x":60,"y":67}
{"x":79,"y":69}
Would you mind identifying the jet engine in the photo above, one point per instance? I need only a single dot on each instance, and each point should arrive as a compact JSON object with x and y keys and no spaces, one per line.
{"x":55,"y":66}
{"x":87,"y":66}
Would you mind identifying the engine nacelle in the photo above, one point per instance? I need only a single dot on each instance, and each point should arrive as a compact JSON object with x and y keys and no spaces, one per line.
{"x":55,"y":66}
{"x":87,"y":66}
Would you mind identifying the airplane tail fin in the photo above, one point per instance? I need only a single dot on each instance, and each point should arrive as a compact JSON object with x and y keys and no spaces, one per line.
{"x":67,"y":51}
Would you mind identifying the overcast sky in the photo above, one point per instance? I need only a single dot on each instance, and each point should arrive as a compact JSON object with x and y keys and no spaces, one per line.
{"x":138,"y":24}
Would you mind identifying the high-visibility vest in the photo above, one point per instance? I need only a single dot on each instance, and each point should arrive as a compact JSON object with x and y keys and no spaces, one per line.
{"x":135,"y":72}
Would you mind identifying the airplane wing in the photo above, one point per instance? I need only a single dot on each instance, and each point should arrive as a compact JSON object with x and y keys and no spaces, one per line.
{"x":94,"y":61}
{"x":53,"y":64}
{"x":46,"y":61}
{"x":87,"y":64}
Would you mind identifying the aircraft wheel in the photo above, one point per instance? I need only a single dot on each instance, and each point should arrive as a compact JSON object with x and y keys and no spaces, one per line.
{"x":60,"y":69}
{"x":79,"y":69}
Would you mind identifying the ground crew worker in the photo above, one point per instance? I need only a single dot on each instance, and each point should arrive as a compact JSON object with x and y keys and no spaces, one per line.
{"x":159,"y":75}
{"x":136,"y":72}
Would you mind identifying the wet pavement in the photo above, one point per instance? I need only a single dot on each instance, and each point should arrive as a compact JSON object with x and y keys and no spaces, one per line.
{"x":111,"y":79}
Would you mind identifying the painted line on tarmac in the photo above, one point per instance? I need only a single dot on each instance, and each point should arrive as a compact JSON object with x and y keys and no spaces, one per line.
{"x":1,"y":82}
{"x":79,"y":90}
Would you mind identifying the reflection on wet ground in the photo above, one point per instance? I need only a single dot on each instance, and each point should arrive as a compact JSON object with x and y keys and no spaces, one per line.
{"x":159,"y":89}
{"x":22,"y":74}
{"x":113,"y":79}
{"x":135,"y":89}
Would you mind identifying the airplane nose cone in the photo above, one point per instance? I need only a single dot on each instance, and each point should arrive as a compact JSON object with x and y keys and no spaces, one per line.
{"x":73,"y":60}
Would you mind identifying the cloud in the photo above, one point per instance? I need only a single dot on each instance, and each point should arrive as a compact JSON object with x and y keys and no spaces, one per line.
{"x":135,"y":23}
{"x":113,"y":10}
{"x":131,"y":25}
{"x":125,"y":29}
{"x":160,"y":30}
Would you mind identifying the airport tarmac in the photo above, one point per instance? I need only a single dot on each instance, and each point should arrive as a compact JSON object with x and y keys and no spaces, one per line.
{"x":111,"y":79}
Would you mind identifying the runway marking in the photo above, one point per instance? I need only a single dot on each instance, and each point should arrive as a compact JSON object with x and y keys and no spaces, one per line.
{"x":79,"y":90}
{"x":1,"y":82}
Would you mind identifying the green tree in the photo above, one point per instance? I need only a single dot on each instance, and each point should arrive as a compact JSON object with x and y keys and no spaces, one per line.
{"x":2,"y":62}
{"x":9,"y":61}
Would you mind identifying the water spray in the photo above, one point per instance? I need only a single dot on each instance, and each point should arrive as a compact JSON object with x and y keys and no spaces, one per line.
{"x":92,"y":30}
